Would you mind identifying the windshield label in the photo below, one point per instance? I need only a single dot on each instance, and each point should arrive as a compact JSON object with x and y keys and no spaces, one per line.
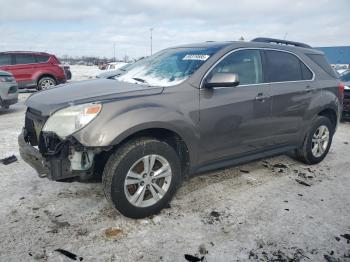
{"x":196,"y":57}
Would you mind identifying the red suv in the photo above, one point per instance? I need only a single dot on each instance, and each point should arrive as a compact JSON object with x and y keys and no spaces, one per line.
{"x":34,"y":69}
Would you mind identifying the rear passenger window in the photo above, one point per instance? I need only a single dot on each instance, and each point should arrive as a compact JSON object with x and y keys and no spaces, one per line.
{"x":22,"y":59}
{"x":245,"y":63}
{"x":42,"y":58}
{"x":5,"y":59}
{"x":282,"y":66}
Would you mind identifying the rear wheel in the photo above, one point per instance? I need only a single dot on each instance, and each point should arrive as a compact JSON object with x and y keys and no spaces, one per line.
{"x":141,"y":177}
{"x":317,"y":142}
{"x":46,"y":83}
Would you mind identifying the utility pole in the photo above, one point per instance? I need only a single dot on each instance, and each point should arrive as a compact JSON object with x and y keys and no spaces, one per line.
{"x":151,"y":30}
{"x":114,"y":51}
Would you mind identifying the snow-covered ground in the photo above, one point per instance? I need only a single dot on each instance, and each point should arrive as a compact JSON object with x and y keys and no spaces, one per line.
{"x":82,"y":72}
{"x":256,"y":211}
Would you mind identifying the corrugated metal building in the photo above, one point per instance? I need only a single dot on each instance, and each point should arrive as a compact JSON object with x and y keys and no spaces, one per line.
{"x":337,"y":54}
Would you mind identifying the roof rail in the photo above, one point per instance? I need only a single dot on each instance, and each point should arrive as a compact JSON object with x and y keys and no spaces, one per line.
{"x":279,"y":41}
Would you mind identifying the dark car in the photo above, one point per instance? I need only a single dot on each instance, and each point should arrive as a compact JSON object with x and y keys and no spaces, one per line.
{"x":345,"y":78}
{"x":34,"y":69}
{"x":183,"y":111}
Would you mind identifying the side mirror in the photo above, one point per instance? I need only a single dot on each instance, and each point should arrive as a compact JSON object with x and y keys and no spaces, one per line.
{"x":222,"y":80}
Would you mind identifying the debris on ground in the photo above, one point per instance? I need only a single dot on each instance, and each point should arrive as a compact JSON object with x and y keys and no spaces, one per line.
{"x":203,"y":250}
{"x":244,"y":171}
{"x":279,"y":165}
{"x":347,"y":237}
{"x":8,"y":160}
{"x":191,"y":258}
{"x":113,"y":232}
{"x":69,"y":254}
{"x":302,"y":182}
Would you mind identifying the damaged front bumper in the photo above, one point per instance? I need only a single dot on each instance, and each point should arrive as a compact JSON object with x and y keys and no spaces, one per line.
{"x":56,"y":159}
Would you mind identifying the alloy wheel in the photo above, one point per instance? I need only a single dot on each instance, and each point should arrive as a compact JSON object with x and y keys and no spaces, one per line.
{"x":147,"y":181}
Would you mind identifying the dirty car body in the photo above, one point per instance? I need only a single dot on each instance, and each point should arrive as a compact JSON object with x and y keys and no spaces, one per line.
{"x":213,"y":115}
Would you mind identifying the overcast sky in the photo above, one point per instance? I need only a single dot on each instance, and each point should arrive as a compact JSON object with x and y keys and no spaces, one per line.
{"x":83,"y":27}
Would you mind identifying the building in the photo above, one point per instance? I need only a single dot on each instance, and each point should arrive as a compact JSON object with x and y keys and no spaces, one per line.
{"x":336,"y":54}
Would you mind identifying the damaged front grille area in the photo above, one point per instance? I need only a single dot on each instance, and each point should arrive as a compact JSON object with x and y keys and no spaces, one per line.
{"x":63,"y":158}
{"x":34,"y":122}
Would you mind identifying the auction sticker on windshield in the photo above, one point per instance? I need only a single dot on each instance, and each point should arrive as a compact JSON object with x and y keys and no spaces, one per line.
{"x":196,"y":57}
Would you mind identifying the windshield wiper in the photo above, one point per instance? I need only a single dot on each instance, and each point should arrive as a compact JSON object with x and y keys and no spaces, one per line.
{"x":140,"y":80}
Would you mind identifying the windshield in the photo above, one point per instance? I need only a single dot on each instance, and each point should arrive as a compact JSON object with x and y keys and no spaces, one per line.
{"x":166,"y":68}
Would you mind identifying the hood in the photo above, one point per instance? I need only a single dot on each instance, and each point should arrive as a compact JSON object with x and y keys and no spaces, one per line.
{"x":49,"y":101}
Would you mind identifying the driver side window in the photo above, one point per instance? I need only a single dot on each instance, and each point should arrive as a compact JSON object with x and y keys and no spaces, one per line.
{"x":245,"y":63}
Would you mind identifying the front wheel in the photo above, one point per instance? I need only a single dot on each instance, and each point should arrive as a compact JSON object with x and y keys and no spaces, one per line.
{"x":141,"y":177}
{"x":317,"y":142}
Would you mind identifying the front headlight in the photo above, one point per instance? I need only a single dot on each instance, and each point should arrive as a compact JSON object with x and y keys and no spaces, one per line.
{"x":71,"y":119}
{"x":347,"y":87}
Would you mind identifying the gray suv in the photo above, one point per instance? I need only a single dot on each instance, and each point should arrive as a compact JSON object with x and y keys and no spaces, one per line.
{"x":8,"y":90}
{"x":182,"y":111}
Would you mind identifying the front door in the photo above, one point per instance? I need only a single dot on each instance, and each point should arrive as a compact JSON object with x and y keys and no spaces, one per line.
{"x":235,"y":120}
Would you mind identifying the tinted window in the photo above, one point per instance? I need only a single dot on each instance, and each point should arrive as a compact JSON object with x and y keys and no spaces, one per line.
{"x":245,"y":63}
{"x":42,"y":58}
{"x":345,"y":77}
{"x":5,"y":59}
{"x":322,"y":61}
{"x":306,"y":73}
{"x":282,"y":66}
{"x":23,"y":59}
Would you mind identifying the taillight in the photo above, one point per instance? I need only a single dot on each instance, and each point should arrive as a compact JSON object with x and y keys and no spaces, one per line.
{"x":341,"y":90}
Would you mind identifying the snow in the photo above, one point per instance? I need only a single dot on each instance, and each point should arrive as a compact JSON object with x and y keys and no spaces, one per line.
{"x":150,"y":79}
{"x":227,"y":215}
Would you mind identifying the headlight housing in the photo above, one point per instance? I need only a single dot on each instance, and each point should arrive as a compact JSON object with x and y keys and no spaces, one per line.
{"x":7,"y":79}
{"x":347,"y":87}
{"x":71,"y":119}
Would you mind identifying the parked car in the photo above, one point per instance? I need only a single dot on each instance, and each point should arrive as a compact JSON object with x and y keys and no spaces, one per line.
{"x":8,"y":90}
{"x":345,"y":78}
{"x":112,"y":73}
{"x":34,"y":69}
{"x":183,"y":111}
{"x":115,"y":65}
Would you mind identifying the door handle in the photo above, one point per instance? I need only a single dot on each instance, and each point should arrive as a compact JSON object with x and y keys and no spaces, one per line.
{"x":308,"y":89}
{"x":261,"y":98}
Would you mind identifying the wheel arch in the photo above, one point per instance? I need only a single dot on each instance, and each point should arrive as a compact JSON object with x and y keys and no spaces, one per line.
{"x":165,"y":134}
{"x":45,"y":75}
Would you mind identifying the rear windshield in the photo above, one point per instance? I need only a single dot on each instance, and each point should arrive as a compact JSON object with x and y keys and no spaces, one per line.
{"x":322,"y":61}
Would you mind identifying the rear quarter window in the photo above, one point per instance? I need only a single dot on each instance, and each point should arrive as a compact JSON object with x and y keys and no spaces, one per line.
{"x":42,"y":58}
{"x":322,"y":62}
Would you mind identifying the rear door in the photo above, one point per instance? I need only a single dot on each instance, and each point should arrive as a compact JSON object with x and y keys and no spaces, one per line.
{"x":232,"y":120}
{"x":291,"y":89}
{"x":23,"y":69}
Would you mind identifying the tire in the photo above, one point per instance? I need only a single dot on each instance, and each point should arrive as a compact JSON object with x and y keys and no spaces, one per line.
{"x":129,"y":158}
{"x":46,"y":83}
{"x":305,"y":153}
